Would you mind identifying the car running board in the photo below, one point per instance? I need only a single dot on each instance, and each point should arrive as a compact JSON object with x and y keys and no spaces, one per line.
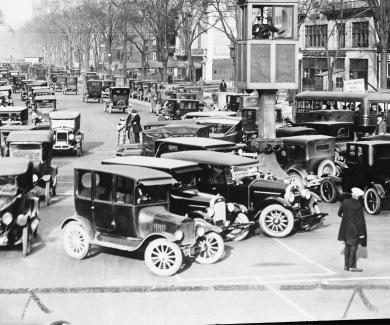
{"x":122,"y":243}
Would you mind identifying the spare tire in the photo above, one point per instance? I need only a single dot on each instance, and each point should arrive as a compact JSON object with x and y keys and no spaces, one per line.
{"x":327,"y":167}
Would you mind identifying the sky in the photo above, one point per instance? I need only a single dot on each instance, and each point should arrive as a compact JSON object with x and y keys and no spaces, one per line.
{"x":16,"y":12}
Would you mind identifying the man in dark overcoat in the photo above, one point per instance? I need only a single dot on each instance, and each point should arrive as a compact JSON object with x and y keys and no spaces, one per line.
{"x":136,"y":124}
{"x":352,"y":228}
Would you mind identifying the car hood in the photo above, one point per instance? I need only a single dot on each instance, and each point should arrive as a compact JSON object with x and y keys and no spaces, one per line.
{"x":193,"y":195}
{"x":158,"y":219}
{"x":269,"y":185}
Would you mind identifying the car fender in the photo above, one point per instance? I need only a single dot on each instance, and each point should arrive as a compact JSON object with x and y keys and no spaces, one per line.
{"x":275,"y":200}
{"x":379,"y":188}
{"x":300,"y":171}
{"x":198,"y":214}
{"x":207,"y":226}
{"x":82,"y":221}
{"x":168,"y":236}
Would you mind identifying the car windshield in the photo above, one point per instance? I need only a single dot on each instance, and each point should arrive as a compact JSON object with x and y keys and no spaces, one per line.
{"x":120,"y":91}
{"x":62,"y":123}
{"x":151,"y":194}
{"x":32,"y":151}
{"x":7,"y":185}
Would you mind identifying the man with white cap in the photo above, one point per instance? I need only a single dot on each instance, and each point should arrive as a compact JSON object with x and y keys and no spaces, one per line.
{"x":352,"y":228}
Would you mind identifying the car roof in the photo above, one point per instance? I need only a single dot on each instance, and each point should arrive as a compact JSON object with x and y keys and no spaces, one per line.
{"x":138,"y":174}
{"x":42,"y":89}
{"x":16,"y":127}
{"x":30,"y":136}
{"x":214,"y":158}
{"x":151,"y":162}
{"x":13,"y":166}
{"x":210,"y":114}
{"x":12,"y":108}
{"x":5,"y":88}
{"x":120,"y":87}
{"x":377,"y":96}
{"x":197,"y":141}
{"x":63,"y":115}
{"x":306,"y":138}
{"x":295,"y":129}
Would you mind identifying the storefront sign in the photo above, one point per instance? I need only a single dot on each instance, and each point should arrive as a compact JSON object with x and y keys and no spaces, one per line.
{"x":354,"y":85}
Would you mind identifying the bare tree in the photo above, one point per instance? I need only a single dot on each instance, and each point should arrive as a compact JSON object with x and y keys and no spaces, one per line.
{"x":381,"y":13}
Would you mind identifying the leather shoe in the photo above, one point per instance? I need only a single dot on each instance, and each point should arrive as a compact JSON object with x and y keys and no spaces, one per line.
{"x":346,"y":268}
{"x":355,"y":269}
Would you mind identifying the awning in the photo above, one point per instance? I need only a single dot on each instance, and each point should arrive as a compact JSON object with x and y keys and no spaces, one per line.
{"x":325,"y":73}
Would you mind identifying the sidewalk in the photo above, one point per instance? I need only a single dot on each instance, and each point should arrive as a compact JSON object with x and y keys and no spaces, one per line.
{"x":139,"y":102}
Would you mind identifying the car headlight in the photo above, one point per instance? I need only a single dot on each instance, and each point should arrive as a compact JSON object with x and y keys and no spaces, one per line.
{"x":210,"y":212}
{"x":200,"y":231}
{"x":230,"y":207}
{"x":71,"y":136}
{"x":289,"y":196}
{"x":179,"y":235}
{"x":35,"y":178}
{"x":7,"y":218}
{"x":306,"y":194}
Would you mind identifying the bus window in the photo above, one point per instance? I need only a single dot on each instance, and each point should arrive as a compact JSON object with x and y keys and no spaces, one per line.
{"x":317,"y":105}
{"x":373,"y":108}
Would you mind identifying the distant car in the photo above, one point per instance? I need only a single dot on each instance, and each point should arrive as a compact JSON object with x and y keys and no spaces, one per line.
{"x":66,"y":129}
{"x":276,"y":206}
{"x":186,"y":199}
{"x":126,"y":208}
{"x":19,"y":210}
{"x":118,"y":99}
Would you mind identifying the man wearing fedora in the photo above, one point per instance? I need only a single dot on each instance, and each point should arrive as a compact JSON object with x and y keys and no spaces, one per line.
{"x":352,"y":228}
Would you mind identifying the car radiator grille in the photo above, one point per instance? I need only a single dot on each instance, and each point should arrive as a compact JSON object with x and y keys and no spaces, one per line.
{"x":188,"y":229}
{"x":62,"y":136}
{"x":157,"y":227}
{"x":219,"y":211}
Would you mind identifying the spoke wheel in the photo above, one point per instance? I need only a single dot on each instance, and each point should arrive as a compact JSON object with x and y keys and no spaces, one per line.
{"x":163,"y":258}
{"x":26,"y":239}
{"x":328,"y":191}
{"x":211,"y":248}
{"x":239,"y":234}
{"x":76,"y":241}
{"x":276,"y":221}
{"x":372,"y":201}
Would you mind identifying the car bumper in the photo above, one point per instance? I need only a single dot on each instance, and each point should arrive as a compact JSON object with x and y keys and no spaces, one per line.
{"x":63,"y":147}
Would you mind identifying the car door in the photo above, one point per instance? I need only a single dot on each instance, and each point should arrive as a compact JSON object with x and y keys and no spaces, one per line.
{"x":123,"y":205}
{"x":102,"y":207}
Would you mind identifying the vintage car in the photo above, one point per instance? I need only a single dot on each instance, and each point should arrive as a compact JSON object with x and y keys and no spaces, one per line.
{"x":59,"y":84}
{"x":13,"y":115}
{"x":118,"y":99}
{"x":187,"y":200}
{"x":367,"y":168}
{"x":163,"y":95}
{"x":90,"y":76}
{"x":37,"y":146}
{"x":224,"y":128}
{"x":6,"y":96}
{"x":276,"y":206}
{"x":38,"y":92}
{"x":179,"y":107}
{"x":93,"y":90}
{"x":127,"y":209}
{"x":307,"y":158}
{"x":194,"y":143}
{"x":17,"y":83}
{"x":236,"y":101}
{"x":25,"y":89}
{"x":136,"y":89}
{"x":219,"y":100}
{"x":66,"y":129}
{"x":106,"y":85}
{"x":70,"y":85}
{"x":44,"y":105}
{"x":19,"y":210}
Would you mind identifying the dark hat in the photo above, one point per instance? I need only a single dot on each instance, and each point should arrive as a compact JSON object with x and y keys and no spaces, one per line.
{"x":134,"y":110}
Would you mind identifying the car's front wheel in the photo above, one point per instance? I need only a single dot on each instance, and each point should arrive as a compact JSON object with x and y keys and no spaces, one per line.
{"x":239,"y":234}
{"x":76,"y":240}
{"x":276,"y":221}
{"x":212,"y":248}
{"x":372,"y":201}
{"x":328,"y":191}
{"x":163,"y":258}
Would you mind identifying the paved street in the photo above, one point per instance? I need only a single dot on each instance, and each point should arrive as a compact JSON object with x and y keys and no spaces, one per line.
{"x":261,"y":279}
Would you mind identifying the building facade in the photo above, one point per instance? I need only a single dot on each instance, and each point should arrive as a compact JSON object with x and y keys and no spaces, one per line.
{"x":344,"y":35}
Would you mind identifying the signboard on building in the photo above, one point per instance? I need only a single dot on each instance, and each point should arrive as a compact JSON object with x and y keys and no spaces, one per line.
{"x":354,"y":85}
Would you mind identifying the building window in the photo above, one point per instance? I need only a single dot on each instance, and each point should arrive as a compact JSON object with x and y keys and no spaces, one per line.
{"x":339,"y":82}
{"x":341,"y":35}
{"x":388,"y":70}
{"x":360,"y":34}
{"x":316,"y":35}
{"x":358,"y":69}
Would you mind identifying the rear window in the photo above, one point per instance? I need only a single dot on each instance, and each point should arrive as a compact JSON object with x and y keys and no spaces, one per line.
{"x":323,"y":147}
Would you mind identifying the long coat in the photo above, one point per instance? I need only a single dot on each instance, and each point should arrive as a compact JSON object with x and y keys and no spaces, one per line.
{"x":136,"y":123}
{"x":353,"y":224}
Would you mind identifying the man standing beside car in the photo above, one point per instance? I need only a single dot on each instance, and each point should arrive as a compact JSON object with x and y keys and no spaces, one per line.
{"x":352,"y":228}
{"x":136,"y":124}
